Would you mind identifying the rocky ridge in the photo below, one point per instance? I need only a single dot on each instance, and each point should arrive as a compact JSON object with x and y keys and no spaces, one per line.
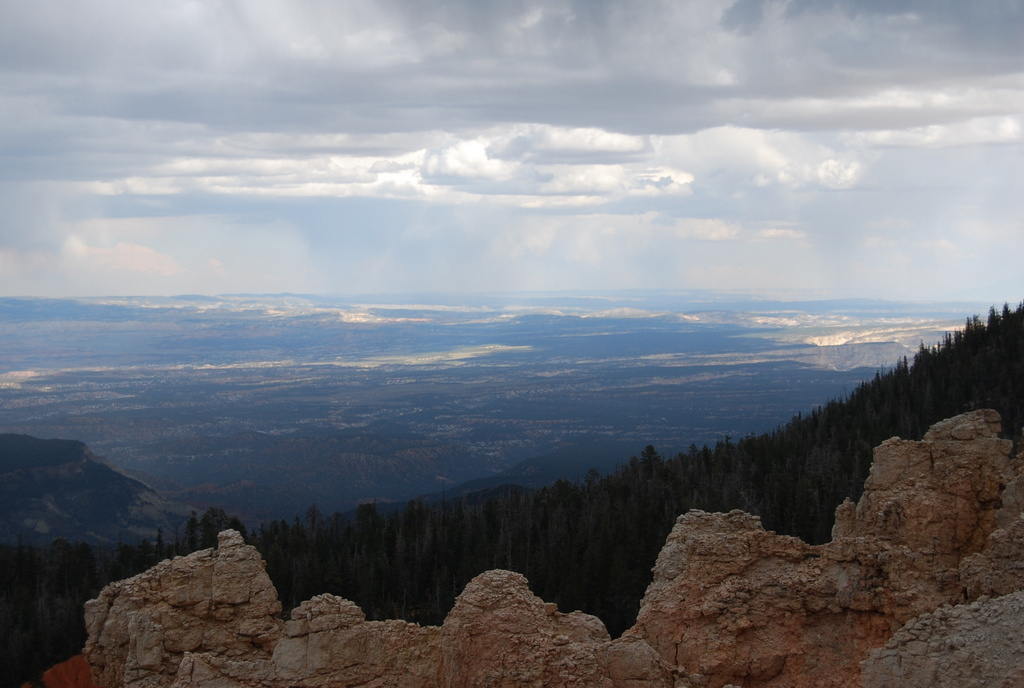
{"x":927,"y":565}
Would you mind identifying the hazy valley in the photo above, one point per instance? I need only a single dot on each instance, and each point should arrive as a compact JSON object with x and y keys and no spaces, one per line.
{"x":265,"y":405}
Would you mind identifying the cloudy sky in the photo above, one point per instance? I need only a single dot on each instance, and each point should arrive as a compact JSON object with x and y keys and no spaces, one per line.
{"x":821,"y":147}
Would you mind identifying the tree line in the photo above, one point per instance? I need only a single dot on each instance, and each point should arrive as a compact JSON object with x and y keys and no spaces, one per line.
{"x":586,"y":545}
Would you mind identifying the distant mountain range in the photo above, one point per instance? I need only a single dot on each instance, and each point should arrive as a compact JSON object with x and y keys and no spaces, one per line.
{"x":58,"y":488}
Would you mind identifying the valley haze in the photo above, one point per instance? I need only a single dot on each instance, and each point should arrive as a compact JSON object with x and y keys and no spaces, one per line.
{"x":267,"y":404}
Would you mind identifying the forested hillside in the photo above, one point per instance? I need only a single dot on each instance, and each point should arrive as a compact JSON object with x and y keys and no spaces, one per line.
{"x":587,"y":545}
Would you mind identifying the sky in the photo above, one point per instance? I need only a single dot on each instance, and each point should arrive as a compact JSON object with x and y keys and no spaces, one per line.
{"x":868,"y":148}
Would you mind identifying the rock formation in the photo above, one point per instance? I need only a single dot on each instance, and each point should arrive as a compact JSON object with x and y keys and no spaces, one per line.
{"x":732,"y":603}
{"x":965,"y":646}
{"x":219,"y":602}
{"x":927,"y":563}
{"x":501,"y":634}
{"x":210,"y":619}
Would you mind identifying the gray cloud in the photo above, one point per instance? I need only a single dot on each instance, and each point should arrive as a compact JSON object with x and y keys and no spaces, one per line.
{"x":544,"y":130}
{"x":403,"y":66}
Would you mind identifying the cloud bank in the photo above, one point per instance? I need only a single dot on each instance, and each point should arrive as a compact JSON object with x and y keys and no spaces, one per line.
{"x":824,"y":146}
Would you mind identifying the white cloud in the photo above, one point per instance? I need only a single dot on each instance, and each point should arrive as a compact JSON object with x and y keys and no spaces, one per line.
{"x":661,"y":181}
{"x":752,"y":157}
{"x":977,"y":131}
{"x":592,"y":180}
{"x":465,"y":169}
{"x":467,"y":160}
{"x":585,"y":140}
{"x":836,"y":174}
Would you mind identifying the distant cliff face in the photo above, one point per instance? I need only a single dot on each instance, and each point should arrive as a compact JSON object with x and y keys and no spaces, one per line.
{"x":58,"y":488}
{"x":929,"y":555}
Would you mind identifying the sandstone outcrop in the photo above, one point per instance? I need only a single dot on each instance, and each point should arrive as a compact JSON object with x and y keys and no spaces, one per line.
{"x":977,"y":645}
{"x":733,"y":604}
{"x":218,"y":601}
{"x":925,"y":566}
{"x":210,"y":619}
{"x":501,"y":634}
{"x":939,"y":496}
{"x":328,"y":641}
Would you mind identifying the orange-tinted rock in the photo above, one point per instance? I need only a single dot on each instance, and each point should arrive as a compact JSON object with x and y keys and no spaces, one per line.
{"x":939,"y":496}
{"x":73,"y":673}
{"x":732,"y":603}
{"x":329,"y":642}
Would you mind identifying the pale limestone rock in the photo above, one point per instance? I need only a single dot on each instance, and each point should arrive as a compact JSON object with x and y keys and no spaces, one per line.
{"x":216,"y":601}
{"x":328,"y":642}
{"x":978,"y":645}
